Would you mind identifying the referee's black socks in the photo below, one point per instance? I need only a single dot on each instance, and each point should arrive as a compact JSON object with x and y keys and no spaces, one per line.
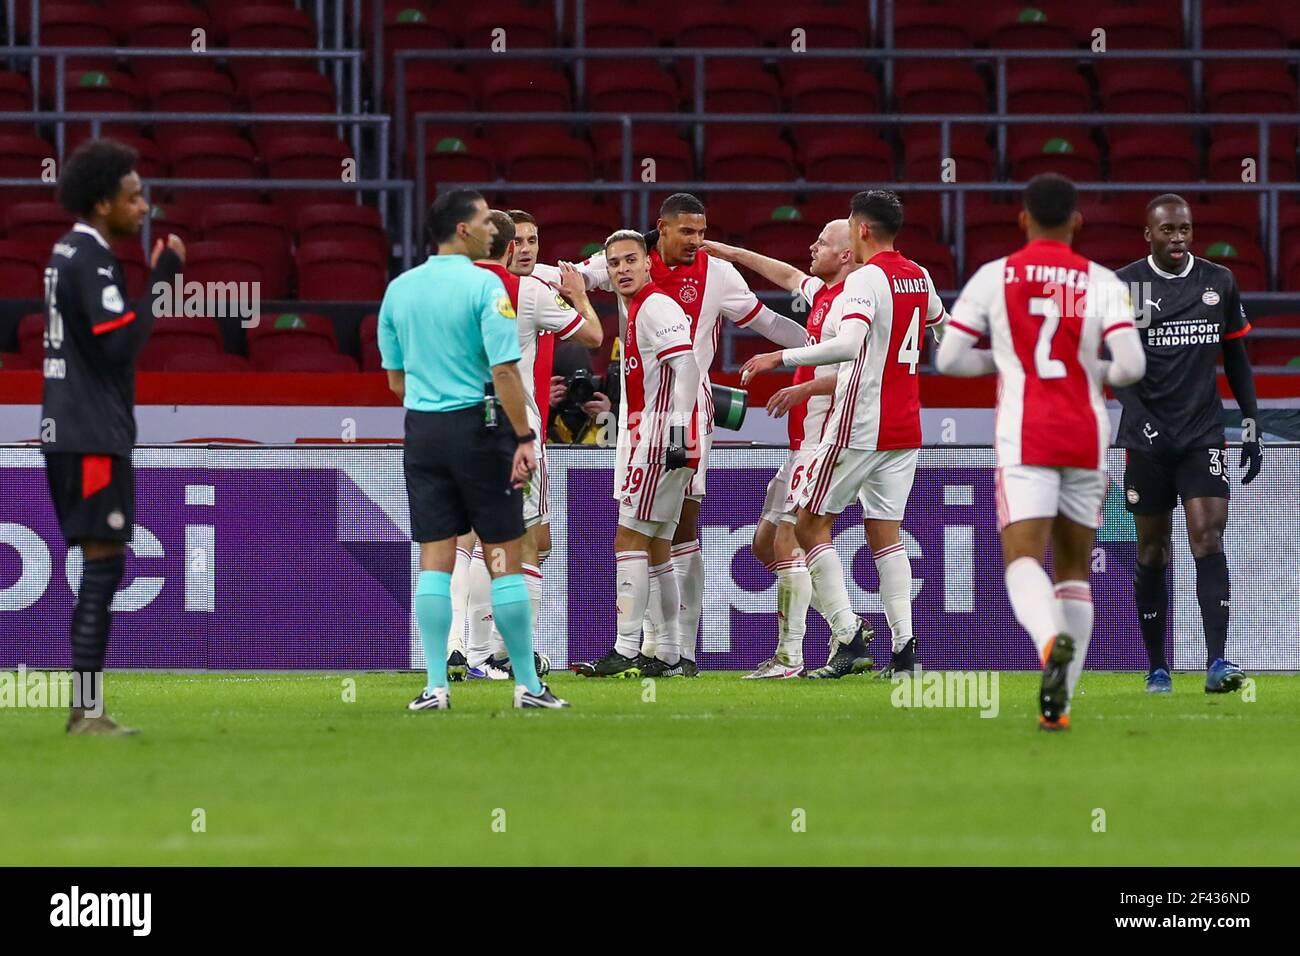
{"x":1151,"y":595}
{"x":1212,"y":591}
{"x":91,"y":617}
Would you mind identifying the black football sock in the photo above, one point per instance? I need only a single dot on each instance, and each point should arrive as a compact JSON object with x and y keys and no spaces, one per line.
{"x":1212,"y":592}
{"x":1151,"y":595}
{"x":90,"y":622}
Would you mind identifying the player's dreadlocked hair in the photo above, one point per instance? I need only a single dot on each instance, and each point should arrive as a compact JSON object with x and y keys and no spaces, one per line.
{"x":1049,"y":199}
{"x":679,"y":203}
{"x":93,"y":174}
{"x":1166,"y":199}
{"x":880,"y":207}
{"x":505,"y":233}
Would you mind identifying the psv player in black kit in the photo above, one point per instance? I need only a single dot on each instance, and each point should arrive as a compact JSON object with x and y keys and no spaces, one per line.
{"x":92,"y":336}
{"x":1189,"y":310}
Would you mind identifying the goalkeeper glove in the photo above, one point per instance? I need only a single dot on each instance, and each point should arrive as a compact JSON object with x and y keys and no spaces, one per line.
{"x":675,"y":453}
{"x":1252,"y":452}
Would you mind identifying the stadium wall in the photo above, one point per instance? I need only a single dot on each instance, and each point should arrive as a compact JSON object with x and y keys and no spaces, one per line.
{"x":269,"y":558}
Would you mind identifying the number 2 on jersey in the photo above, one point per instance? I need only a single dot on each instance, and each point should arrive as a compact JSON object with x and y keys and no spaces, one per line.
{"x":1046,"y":366}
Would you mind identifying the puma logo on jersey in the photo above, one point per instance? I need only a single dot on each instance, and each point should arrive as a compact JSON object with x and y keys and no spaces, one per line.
{"x":1149,"y":433}
{"x":1155,"y":302}
{"x":104,"y":271}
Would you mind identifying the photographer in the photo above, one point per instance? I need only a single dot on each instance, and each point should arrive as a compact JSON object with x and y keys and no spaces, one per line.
{"x":584,"y":405}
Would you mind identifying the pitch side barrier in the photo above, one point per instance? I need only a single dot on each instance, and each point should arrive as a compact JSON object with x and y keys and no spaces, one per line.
{"x":273,"y":557}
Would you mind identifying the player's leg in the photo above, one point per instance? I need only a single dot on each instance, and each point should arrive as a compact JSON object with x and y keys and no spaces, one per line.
{"x":793,"y":597}
{"x":483,"y":644}
{"x":433,"y":616}
{"x":94,"y":499}
{"x":883,"y":496}
{"x":1206,"y":520}
{"x":457,"y":664}
{"x":1150,"y":494}
{"x":668,"y":661}
{"x":688,"y":570}
{"x":832,"y":486}
{"x":1082,"y":495}
{"x":632,"y":544}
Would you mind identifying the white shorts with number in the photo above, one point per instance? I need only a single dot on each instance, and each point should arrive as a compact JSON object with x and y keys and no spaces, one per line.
{"x":1033,"y":491}
{"x":537,"y":498}
{"x":650,"y":500}
{"x":783,"y":491}
{"x":880,"y":480}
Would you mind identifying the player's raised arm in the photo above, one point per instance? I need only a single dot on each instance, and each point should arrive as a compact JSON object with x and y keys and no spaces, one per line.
{"x":773,"y":270}
{"x":740,"y":305}
{"x":572,"y":287}
{"x":122,"y":328}
{"x":970,"y":319}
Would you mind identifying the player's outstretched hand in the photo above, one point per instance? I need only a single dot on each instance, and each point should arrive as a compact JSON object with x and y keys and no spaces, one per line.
{"x":721,"y":250}
{"x":1252,"y":454}
{"x":786,"y":399}
{"x":173,"y":243}
{"x":572,"y":284}
{"x":759,"y":363}
{"x":525,"y":464}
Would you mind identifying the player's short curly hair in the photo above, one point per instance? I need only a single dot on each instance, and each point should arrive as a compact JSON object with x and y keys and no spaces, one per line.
{"x":1049,"y":199}
{"x":679,"y":203}
{"x":93,"y":173}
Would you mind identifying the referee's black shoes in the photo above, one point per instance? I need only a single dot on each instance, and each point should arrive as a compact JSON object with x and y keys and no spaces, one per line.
{"x":524,"y":698}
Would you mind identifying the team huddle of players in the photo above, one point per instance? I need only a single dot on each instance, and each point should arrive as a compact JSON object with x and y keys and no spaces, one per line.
{"x":854,"y":424}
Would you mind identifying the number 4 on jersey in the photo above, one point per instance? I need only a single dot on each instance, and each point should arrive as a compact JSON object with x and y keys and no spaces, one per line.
{"x":909,"y":351}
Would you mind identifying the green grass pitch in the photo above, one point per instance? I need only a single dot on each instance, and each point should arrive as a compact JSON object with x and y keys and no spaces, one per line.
{"x":713,"y":771}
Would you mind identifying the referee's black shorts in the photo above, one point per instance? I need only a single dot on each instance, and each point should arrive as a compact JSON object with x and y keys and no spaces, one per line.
{"x":458,"y":477}
{"x":1153,"y":485}
{"x":93,"y":495}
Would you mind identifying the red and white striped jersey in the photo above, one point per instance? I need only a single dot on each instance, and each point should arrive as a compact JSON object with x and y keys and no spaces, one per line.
{"x":538,"y":308}
{"x":657,"y":329}
{"x":877,"y":395}
{"x":707,"y":290}
{"x":808,"y":421}
{"x":1047,"y":310}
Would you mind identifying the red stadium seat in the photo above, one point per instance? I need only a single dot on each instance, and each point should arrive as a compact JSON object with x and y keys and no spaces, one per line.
{"x":938,"y":87}
{"x":162,"y":25}
{"x":408,"y":27}
{"x":647,"y":88}
{"x":40,"y":223}
{"x":1069,"y":151}
{"x":305,"y":156}
{"x":309,"y":362}
{"x":1246,"y":260}
{"x":734,"y":154}
{"x":918,"y":27}
{"x":16,"y":362}
{"x":674,"y":157}
{"x":1273,"y":352}
{"x":968,"y":146}
{"x":936,"y":257}
{"x":1132,"y":87}
{"x":224,"y":261}
{"x":172,"y":336}
{"x":578,"y":220}
{"x":824,"y":28}
{"x":525,"y":27}
{"x":342,"y":222}
{"x":1249,"y":87}
{"x":178,"y":217}
{"x":620,"y":25}
{"x":840,"y":153}
{"x":525,"y":89}
{"x":15,"y":92}
{"x":735,"y":213}
{"x":23,"y":155}
{"x":130,"y":256}
{"x":923,"y":213}
{"x":31,"y":336}
{"x":22,"y":267}
{"x":827,"y":87}
{"x":1046,"y":87}
{"x":740,"y":87}
{"x":457,"y":159}
{"x":1153,"y":154}
{"x":702,"y":25}
{"x":291,"y":91}
{"x":191,"y":90}
{"x":436,"y":87}
{"x":1030,"y":28}
{"x":206,"y":362}
{"x":75,"y":24}
{"x":341,"y":271}
{"x":539,"y":156}
{"x":303,"y":331}
{"x":1291,"y":272}
{"x":1231,"y":146}
{"x":1241,"y":26}
{"x":1232,"y":218}
{"x":991,"y":228}
{"x":266,"y":26}
{"x":102,"y":91}
{"x":1146,"y":26}
{"x":210,"y":156}
{"x":262,"y":229}
{"x":1289,"y":226}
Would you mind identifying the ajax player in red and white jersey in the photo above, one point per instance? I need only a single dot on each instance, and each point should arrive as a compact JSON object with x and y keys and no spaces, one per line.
{"x":661,"y":382}
{"x":807,"y":402}
{"x":563,"y":310}
{"x":871,"y":438}
{"x":1048,"y":311}
{"x":708,"y":290}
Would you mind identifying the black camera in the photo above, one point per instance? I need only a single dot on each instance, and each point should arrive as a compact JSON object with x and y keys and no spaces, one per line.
{"x":582,"y":387}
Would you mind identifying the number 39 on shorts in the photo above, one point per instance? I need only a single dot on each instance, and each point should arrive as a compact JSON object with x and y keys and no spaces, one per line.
{"x":632,"y":483}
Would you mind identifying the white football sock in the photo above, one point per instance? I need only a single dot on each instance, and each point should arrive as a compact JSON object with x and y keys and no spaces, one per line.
{"x":895,"y":572}
{"x":688,"y":567}
{"x":793,"y":593}
{"x":533,"y":581}
{"x":653,"y":624}
{"x":663,"y":588}
{"x":831,"y":593}
{"x":478,"y":647}
{"x":459,"y":601}
{"x":1075,"y":601}
{"x":1034,"y":602}
{"x":633,"y":577}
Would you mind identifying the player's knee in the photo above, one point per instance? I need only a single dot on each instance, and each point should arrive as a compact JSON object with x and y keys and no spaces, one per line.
{"x":1205,"y":540}
{"x":1155,"y":553}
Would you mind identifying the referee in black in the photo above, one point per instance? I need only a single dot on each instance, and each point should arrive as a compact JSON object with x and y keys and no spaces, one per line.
{"x":450,"y":342}
{"x":92,"y":337}
{"x":1189,"y":311}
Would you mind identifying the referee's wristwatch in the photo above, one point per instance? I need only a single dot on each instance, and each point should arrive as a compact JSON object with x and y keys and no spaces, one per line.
{"x":525,"y":439}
